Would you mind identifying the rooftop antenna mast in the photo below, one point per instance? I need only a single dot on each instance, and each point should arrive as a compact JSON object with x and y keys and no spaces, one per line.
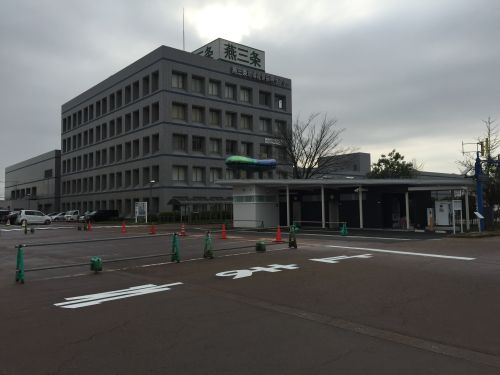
{"x":183,"y":39}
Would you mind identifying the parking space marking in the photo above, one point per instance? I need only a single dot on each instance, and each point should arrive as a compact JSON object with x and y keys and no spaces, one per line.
{"x":98,"y":298}
{"x":401,"y":252}
{"x":334,"y":260}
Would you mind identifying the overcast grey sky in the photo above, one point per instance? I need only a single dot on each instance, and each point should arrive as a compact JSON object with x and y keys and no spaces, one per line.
{"x":415,"y":75}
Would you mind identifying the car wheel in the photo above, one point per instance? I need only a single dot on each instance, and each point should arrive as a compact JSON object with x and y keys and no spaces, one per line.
{"x":47,"y":222}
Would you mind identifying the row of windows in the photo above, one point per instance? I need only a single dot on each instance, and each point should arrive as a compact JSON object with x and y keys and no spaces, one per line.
{"x":231,"y":91}
{"x":115,"y":127}
{"x":113,"y":154}
{"x":131,"y":92}
{"x":180,"y":143}
{"x":113,"y":181}
{"x":27,"y":193}
{"x":215,"y":117}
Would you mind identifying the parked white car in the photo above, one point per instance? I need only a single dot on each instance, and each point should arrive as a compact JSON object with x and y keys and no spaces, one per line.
{"x":72,"y":215}
{"x":32,"y":217}
{"x":58,"y":216}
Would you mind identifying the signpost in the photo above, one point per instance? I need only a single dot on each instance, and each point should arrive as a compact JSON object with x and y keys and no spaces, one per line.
{"x":141,"y":210}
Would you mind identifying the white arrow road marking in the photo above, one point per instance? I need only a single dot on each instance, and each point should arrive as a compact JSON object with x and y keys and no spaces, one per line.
{"x":402,"y":252}
{"x":341,"y":257}
{"x":98,"y":298}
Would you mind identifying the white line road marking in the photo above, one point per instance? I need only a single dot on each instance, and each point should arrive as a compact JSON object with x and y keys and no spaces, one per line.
{"x":341,"y":257}
{"x":401,"y":252}
{"x":98,"y":298}
{"x":338,"y":235}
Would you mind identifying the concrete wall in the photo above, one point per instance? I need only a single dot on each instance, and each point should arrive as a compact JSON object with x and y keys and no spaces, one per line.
{"x":255,"y":206}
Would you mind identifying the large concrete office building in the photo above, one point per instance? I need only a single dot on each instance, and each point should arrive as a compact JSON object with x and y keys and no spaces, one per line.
{"x":160,"y":129}
{"x":34,"y":183}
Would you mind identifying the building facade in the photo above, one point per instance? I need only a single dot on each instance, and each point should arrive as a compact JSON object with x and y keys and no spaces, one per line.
{"x":35,"y":183}
{"x":160,"y":129}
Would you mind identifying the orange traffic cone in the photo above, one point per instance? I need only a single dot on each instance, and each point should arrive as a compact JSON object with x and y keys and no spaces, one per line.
{"x":89,"y":227}
{"x":183,"y":231}
{"x":152,"y":230}
{"x":124,"y":228}
{"x":223,"y":233}
{"x":278,"y":235}
{"x":8,"y":222}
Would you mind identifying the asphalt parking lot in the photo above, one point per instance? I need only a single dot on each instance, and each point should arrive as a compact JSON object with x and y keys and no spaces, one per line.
{"x":367,"y":303}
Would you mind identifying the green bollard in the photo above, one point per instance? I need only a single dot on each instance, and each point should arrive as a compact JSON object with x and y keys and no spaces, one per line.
{"x":343,"y":230}
{"x":292,"y":237}
{"x":260,"y":246}
{"x":96,"y":264}
{"x":25,"y":227}
{"x":175,"y":248}
{"x":20,"y":265}
{"x":208,"y":247}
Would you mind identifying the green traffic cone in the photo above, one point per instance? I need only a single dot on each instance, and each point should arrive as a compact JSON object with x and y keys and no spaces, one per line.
{"x":343,"y":230}
{"x":175,"y":248}
{"x":20,"y":265}
{"x":208,"y":248}
{"x":292,"y":237}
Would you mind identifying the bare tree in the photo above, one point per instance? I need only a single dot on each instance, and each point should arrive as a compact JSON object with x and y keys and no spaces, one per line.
{"x":311,"y":146}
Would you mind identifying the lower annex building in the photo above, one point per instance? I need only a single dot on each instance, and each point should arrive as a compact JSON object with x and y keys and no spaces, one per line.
{"x":160,"y":129}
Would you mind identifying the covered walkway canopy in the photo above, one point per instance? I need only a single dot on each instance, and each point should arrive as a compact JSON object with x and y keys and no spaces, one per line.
{"x":261,"y":197}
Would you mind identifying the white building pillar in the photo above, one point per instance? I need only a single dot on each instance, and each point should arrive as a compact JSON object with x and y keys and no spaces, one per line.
{"x":287,"y":206}
{"x":360,"y":198}
{"x":467,"y":218}
{"x":407,"y":202}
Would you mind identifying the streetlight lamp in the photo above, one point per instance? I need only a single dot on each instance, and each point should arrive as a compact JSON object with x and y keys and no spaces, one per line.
{"x":151,"y":195}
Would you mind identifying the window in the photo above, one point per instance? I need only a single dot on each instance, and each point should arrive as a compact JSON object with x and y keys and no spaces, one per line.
{"x":118,"y":180}
{"x":245,"y":95}
{"x":119,"y":98}
{"x":104,"y":106}
{"x":85,"y":114}
{"x":215,"y":146}
{"x":155,"y":80}
{"x":214,"y":117}
{"x":198,"y":174}
{"x":119,"y":152}
{"x":128,"y":178}
{"x":98,"y":158}
{"x":179,"y":173}
{"x":128,"y":122}
{"x":198,"y":144}
{"x":265,"y":151}
{"x":213,"y":88}
{"x":135,"y":177}
{"x":104,"y":131}
{"x":280,"y":102}
{"x":97,"y":133}
{"x":198,"y":114}
{"x":215,"y":174}
{"x":85,"y":161}
{"x":111,"y":181}
{"x":98,"y":108}
{"x":155,"y":109}
{"x":198,"y":85}
{"x":119,"y":127}
{"x":230,"y":120}
{"x":97,"y":183}
{"x":128,"y":150}
{"x":231,"y":147}
{"x":91,"y":136}
{"x":104,"y":182}
{"x":145,"y":116}
{"x":128,"y":94}
{"x":280,"y":153}
{"x":47,"y":173}
{"x":179,"y":142}
{"x":135,"y":148}
{"x":112,"y":102}
{"x":230,"y":91}
{"x":104,"y":155}
{"x":246,"y":122}
{"x":112,"y":129}
{"x":178,"y":80}
{"x":155,"y":173}
{"x":135,"y":90}
{"x":280,"y":127}
{"x":91,"y":112}
{"x":246,"y":149}
{"x":264,"y":98}
{"x":145,"y":86}
{"x":229,"y":174}
{"x":91,"y":160}
{"x":155,"y":143}
{"x":145,"y":176}
{"x":135,"y":119}
{"x":145,"y":146}
{"x":91,"y":183}
{"x":112,"y":154}
{"x":179,"y":111}
{"x":265,"y":125}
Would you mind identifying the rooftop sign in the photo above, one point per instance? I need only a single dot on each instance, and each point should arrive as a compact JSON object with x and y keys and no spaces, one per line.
{"x":221,"y":49}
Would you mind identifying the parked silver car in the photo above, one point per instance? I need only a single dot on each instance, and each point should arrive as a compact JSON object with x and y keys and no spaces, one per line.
{"x":32,"y":217}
